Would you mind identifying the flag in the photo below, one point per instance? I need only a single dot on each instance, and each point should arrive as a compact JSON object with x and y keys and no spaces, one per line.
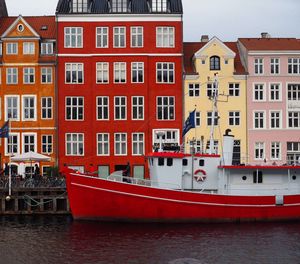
{"x":189,"y":123}
{"x":4,"y":130}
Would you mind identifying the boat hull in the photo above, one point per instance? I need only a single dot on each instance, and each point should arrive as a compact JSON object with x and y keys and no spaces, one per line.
{"x":98,"y":199}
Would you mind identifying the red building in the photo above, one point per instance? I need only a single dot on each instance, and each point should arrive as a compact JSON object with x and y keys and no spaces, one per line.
{"x":119,"y":81}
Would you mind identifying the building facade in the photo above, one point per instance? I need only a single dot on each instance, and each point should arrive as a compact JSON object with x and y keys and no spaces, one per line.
{"x":27,"y":88}
{"x":206,"y":63}
{"x":119,"y":81}
{"x":273,"y":90}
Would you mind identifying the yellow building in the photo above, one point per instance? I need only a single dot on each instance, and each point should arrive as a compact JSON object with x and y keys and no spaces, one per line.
{"x":205,"y":63}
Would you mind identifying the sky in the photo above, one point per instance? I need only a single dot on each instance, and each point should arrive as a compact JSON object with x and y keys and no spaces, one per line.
{"x":225,"y":19}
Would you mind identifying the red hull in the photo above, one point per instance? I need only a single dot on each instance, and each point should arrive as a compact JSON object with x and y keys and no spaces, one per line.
{"x":94,"y":198}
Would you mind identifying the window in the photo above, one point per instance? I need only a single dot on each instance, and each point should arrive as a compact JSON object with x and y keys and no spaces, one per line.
{"x":119,"y":37}
{"x":139,"y":172}
{"x":236,"y":156}
{"x":103,"y":144}
{"x":170,"y":137}
{"x":102,"y":37}
{"x":215,"y":150}
{"x":102,"y":74}
{"x":275,"y":119}
{"x":294,"y":119}
{"x":120,"y":108}
{"x":194,"y":89}
{"x":258,"y":66}
{"x":275,"y":151}
{"x":211,"y":89}
{"x":12,"y":145}
{"x":1,"y":48}
{"x":119,"y":6}
{"x":79,"y":6}
{"x":234,"y":118}
{"x":46,"y":73}
{"x":209,"y":118}
{"x":29,"y":108}
{"x":165,"y":37}
{"x":137,"y":37}
{"x":165,"y":72}
{"x":29,"y":142}
{"x":103,"y":171}
{"x":12,"y":108}
{"x":293,"y":152}
{"x":215,"y":63}
{"x":165,"y":108}
{"x":234,"y":89}
{"x":47,"y":105}
{"x":47,"y":144}
{"x":293,"y":92}
{"x":47,"y":48}
{"x":29,"y":75}
{"x":120,"y":72}
{"x":198,"y":118}
{"x":12,"y":76}
{"x":257,"y":177}
{"x":259,"y":119}
{"x":11,"y":48}
{"x":275,"y":65}
{"x":120,"y":144}
{"x":137,"y":108}
{"x":275,"y":92}
{"x":74,"y":144}
{"x":74,"y":108}
{"x":259,"y":92}
{"x":102,"y":108}
{"x":73,"y":37}
{"x":74,"y":73}
{"x":161,"y":161}
{"x":137,"y":144}
{"x":159,"y":6}
{"x":259,"y":150}
{"x":294,"y":65}
{"x":28,"y":48}
{"x":137,"y":72}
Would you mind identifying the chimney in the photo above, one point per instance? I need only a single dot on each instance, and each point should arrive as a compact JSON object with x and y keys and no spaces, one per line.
{"x":204,"y":38}
{"x":3,"y":9}
{"x":265,"y":35}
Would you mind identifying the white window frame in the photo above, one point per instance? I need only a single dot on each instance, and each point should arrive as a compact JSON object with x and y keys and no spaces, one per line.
{"x":120,"y":71}
{"x":170,"y":108}
{"x":296,"y":92}
{"x":272,"y":90}
{"x":17,"y":108}
{"x":139,"y":144}
{"x":12,"y":73}
{"x":137,"y":35}
{"x":77,"y":68}
{"x":198,"y":119}
{"x":159,"y":6}
{"x":104,"y":142}
{"x":280,"y":118}
{"x":236,"y":117}
{"x":12,"y":48}
{"x":276,"y":146}
{"x":138,"y":108}
{"x":165,"y":37}
{"x":259,"y":63}
{"x":120,"y":108}
{"x":34,"y":144}
{"x":259,"y":118}
{"x":47,"y":143}
{"x":28,"y":48}
{"x":102,"y":38}
{"x":72,"y":142}
{"x":263,"y":85}
{"x":102,"y":107}
{"x":137,"y":67}
{"x":193,"y":88}
{"x":48,"y":73}
{"x":275,"y":64}
{"x":122,"y":144}
{"x":25,"y":97}
{"x":210,"y":119}
{"x":74,"y":107}
{"x":260,"y":146}
{"x":78,"y":35}
{"x":47,"y":107}
{"x":235,"y":89}
{"x":294,"y":62}
{"x":28,"y":72}
{"x":18,"y":143}
{"x":117,"y":37}
{"x":165,"y":71}
{"x":102,"y":72}
{"x":297,"y":113}
{"x":170,"y":136}
{"x":47,"y":48}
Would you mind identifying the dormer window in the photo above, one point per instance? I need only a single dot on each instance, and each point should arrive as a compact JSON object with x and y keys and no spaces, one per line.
{"x":215,"y":63}
{"x":79,"y":6}
{"x":119,"y":6}
{"x":159,"y":5}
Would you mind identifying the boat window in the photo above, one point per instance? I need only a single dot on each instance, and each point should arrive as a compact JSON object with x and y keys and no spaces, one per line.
{"x":257,"y":177}
{"x":294,"y":177}
{"x":169,"y":162}
{"x":161,"y":161}
{"x":201,"y":163}
{"x":184,"y":162}
{"x":244,"y":178}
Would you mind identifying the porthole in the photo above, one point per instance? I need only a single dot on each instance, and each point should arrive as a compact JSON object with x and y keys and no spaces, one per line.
{"x":244,"y":178}
{"x":294,"y":177}
{"x":20,"y":28}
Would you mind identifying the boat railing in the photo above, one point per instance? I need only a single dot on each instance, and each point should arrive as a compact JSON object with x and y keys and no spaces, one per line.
{"x":116,"y":176}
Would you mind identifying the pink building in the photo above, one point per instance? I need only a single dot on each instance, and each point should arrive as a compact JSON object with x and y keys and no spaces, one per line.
{"x":273,"y":98}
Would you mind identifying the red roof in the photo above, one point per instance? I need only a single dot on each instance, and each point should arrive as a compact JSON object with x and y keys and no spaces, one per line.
{"x":36,"y":22}
{"x":273,"y":44}
{"x":258,"y":167}
{"x":190,"y":48}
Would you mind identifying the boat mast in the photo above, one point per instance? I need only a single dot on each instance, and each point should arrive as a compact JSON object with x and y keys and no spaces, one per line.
{"x":214,"y":98}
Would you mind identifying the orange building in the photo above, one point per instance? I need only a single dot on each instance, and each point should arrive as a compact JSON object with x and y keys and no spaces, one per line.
{"x":27,"y":88}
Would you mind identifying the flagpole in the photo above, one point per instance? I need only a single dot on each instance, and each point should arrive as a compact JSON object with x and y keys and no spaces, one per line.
{"x":9,"y":171}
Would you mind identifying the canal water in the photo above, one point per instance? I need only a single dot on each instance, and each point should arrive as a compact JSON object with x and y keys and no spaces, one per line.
{"x":52,"y":239}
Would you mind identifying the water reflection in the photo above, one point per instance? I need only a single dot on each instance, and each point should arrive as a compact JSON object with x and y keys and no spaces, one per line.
{"x":61,"y":240}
